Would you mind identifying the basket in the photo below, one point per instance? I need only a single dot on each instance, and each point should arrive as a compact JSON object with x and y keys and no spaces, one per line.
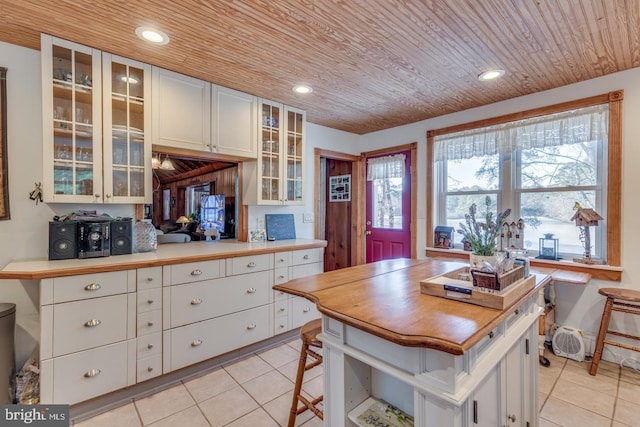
{"x":495,"y":281}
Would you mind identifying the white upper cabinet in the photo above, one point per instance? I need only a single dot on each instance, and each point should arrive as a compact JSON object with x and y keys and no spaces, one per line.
{"x":86,"y":91}
{"x":181,"y":110}
{"x":276,"y":177}
{"x":72,"y":122}
{"x":127,"y":126}
{"x":234,"y":122}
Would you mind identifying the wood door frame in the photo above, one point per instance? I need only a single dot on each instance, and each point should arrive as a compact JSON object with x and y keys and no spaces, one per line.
{"x":357,"y":198}
{"x":413,"y":148}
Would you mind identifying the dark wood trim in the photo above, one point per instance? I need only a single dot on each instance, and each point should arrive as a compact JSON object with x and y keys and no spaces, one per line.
{"x":614,"y":183}
{"x":4,"y":163}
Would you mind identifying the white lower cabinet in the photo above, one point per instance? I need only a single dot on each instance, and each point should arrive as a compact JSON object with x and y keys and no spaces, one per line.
{"x":495,"y":385}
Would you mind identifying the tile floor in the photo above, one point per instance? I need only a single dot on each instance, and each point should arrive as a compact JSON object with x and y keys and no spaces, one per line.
{"x":257,"y":392}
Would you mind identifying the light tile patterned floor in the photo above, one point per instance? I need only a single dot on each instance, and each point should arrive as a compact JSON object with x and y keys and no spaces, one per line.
{"x":257,"y":391}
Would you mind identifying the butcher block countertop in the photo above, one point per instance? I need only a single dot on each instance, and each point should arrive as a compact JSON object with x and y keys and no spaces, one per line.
{"x":384,"y":299}
{"x":166,"y":254}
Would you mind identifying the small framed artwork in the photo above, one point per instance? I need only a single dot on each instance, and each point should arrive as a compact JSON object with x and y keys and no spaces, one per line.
{"x":340,"y":188}
{"x":257,"y":235}
{"x":443,"y":237}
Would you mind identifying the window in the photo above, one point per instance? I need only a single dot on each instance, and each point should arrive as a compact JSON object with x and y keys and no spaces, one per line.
{"x":539,"y":165}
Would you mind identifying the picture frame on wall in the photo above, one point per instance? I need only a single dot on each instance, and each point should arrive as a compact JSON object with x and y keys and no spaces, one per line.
{"x":340,"y":188}
{"x":4,"y":172}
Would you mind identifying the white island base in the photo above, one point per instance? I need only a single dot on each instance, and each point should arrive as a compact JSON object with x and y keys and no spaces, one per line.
{"x":495,"y":383}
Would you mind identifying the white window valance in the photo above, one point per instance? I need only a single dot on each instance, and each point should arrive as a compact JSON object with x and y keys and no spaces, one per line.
{"x":567,"y":127}
{"x":385,"y":167}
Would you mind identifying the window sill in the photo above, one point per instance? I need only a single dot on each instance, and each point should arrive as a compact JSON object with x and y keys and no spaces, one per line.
{"x":604,"y":272}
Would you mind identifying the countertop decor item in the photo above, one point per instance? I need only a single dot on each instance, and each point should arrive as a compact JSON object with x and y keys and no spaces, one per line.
{"x":481,"y":235}
{"x":145,"y":238}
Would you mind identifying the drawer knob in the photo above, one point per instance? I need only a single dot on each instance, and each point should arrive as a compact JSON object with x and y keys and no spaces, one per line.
{"x":281,"y":308}
{"x":149,"y":279}
{"x":149,"y":301}
{"x":517,"y":311}
{"x":149,"y":369}
{"x":92,"y":287}
{"x":305,"y":257}
{"x":251,"y":326}
{"x":149,"y":346}
{"x":196,"y":301}
{"x":281,"y":277}
{"x":92,"y":323}
{"x":306,"y":309}
{"x":92,"y":373}
{"x":491,"y":334}
{"x":196,"y":272}
{"x":251,"y":290}
{"x":251,"y":264}
{"x":281,"y":260}
{"x":149,"y":323}
{"x":196,"y":343}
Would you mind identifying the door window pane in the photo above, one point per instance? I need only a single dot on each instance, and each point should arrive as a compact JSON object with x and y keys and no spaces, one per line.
{"x":387,"y":203}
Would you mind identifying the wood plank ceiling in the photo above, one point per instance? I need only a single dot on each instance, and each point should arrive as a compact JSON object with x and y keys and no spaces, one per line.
{"x":373,"y":64}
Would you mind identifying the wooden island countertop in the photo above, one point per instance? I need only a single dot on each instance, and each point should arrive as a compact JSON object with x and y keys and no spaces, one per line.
{"x":384,"y":299}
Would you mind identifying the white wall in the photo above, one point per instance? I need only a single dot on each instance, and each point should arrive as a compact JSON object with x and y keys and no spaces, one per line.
{"x":577,"y":306}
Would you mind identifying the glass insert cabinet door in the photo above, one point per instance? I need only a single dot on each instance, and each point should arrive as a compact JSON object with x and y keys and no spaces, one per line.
{"x":72,"y":121}
{"x":127,"y":156}
{"x":295,"y":146}
{"x":271,"y":156}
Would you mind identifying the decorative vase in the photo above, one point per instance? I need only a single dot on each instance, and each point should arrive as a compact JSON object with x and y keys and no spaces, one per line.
{"x":145,"y":238}
{"x":477,"y":261}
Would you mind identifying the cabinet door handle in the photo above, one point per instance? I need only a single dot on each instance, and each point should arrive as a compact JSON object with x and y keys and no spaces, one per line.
{"x":305,"y":257}
{"x":92,"y":323}
{"x":92,"y":373}
{"x":92,"y":287}
{"x":149,"y":323}
{"x":196,"y":343}
{"x":251,"y":326}
{"x":150,"y":346}
{"x":97,"y":196}
{"x":251,"y":290}
{"x":196,"y":301}
{"x":149,"y":301}
{"x":108,"y":196}
{"x":306,"y":309}
{"x":517,"y":311}
{"x":196,"y":272}
{"x":251,"y":264}
{"x":491,"y":335}
{"x":149,"y":369}
{"x":511,"y":418}
{"x":475,"y":412}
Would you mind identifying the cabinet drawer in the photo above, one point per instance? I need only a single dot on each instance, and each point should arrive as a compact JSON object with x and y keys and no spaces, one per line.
{"x":279,"y":295}
{"x":302,"y":311}
{"x":280,"y":276}
{"x":149,"y":322}
{"x":306,"y":256}
{"x":149,"y":345}
{"x":148,"y":368}
{"x":149,"y":300}
{"x":81,"y":325}
{"x":89,"y":286}
{"x":281,"y":324}
{"x":194,"y":302}
{"x":200,"y":341}
{"x":196,"y":271}
{"x":281,"y":259}
{"x":81,"y":376}
{"x":150,"y":277}
{"x":298,"y":271}
{"x":249,"y":264}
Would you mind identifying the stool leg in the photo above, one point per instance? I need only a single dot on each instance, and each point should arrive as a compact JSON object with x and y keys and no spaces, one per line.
{"x":298,"y":386}
{"x":604,"y":325}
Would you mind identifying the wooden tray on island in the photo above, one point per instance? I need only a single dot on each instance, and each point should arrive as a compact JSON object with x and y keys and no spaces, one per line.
{"x":457,"y":285}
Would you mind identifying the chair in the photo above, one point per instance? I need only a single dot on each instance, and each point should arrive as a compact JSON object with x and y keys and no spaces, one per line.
{"x":618,"y":299}
{"x":309,"y":349}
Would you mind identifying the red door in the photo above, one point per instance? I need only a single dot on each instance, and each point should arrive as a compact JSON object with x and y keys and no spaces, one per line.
{"x":388,"y":208}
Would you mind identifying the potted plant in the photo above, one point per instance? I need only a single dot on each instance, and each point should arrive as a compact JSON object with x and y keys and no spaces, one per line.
{"x":481,"y":235}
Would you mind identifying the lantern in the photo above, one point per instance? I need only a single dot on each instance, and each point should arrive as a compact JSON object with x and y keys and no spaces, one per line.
{"x":548,"y":247}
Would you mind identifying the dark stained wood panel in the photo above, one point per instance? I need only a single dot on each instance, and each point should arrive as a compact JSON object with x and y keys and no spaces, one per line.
{"x":337,"y":222}
{"x":373,"y":64}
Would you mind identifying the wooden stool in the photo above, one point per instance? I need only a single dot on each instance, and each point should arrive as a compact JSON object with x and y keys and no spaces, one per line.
{"x":308,"y":334}
{"x":615,"y":296}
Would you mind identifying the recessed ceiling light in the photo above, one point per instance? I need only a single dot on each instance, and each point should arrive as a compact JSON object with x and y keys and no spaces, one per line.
{"x":302,"y":89}
{"x":152,"y":35}
{"x":490,"y":75}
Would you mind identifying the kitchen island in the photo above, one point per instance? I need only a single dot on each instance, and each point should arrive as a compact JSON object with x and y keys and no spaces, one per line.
{"x":443,"y":362}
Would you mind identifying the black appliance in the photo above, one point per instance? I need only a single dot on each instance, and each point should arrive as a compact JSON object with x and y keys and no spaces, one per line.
{"x":94,"y":238}
{"x":62,"y":239}
{"x":121,"y":236}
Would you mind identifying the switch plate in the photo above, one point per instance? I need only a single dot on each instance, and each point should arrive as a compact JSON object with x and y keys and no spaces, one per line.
{"x":307,"y":217}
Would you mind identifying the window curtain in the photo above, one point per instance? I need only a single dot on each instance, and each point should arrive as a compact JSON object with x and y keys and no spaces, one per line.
{"x":385,"y":167}
{"x":567,"y":127}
